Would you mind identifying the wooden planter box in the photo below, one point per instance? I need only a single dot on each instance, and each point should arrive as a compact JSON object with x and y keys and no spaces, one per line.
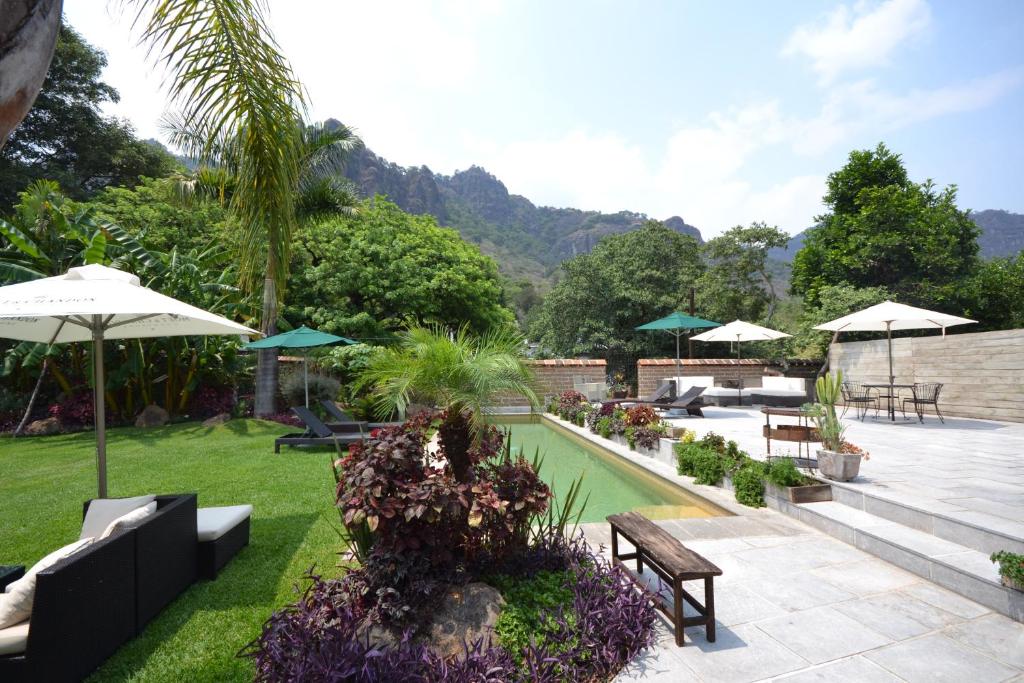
{"x":1010,"y":583}
{"x":791,"y":433}
{"x":813,"y":493}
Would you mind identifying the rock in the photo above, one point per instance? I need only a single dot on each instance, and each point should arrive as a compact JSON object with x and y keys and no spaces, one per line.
{"x":45,"y":427}
{"x":152,"y":416}
{"x":466,"y":614}
{"x":216,"y":420}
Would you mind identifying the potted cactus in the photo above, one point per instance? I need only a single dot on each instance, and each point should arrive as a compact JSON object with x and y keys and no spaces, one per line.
{"x":838,"y":459}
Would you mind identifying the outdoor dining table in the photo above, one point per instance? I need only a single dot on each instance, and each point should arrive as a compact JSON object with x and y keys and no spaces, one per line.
{"x":892,"y":396}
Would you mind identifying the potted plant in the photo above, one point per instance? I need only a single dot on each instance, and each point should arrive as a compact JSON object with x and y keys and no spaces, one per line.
{"x":617,"y":387}
{"x":838,"y":459}
{"x":1011,"y":568}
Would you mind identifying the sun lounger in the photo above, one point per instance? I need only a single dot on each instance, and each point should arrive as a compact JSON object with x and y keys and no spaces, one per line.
{"x":344,"y":419}
{"x":663,"y":394}
{"x":317,"y":433}
{"x":691,"y":400}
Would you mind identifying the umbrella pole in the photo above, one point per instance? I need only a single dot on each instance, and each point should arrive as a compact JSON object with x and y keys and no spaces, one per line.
{"x":99,"y":404}
{"x":892,"y":377}
{"x":675,"y":381}
{"x":739,"y":374}
{"x":305,"y":370}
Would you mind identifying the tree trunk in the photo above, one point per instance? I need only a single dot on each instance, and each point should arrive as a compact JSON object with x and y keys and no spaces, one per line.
{"x":456,"y":438}
{"x":32,"y":399}
{"x":824,"y":366}
{"x":28,"y":35}
{"x":266,"y":359}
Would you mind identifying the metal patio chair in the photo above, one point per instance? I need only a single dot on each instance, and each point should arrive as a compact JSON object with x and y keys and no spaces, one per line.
{"x":856,"y":394}
{"x":925,"y":394}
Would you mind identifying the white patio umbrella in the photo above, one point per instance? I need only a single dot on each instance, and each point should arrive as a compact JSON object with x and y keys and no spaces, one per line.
{"x":95,"y":303}
{"x":739,"y":331}
{"x":888,"y":316}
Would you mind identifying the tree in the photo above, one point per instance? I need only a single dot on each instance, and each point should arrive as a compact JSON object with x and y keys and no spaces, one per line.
{"x":626,"y":280}
{"x":882,"y":230}
{"x":65,"y":137}
{"x":233,"y":84}
{"x":834,"y":301}
{"x":737,"y":283}
{"x":28,"y":32}
{"x":367,"y":274}
{"x":994,"y":294}
{"x":456,"y":371}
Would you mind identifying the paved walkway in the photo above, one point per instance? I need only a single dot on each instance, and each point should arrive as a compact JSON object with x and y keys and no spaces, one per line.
{"x":968,"y":470}
{"x":794,"y":604}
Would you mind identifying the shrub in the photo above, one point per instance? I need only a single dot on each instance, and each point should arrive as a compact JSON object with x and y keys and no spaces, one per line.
{"x":641,"y":416}
{"x":293,"y":388}
{"x":570,"y":404}
{"x":708,"y":467}
{"x":318,"y":638}
{"x":687,"y":455}
{"x":209,"y":401}
{"x":647,"y":436}
{"x":604,"y":426}
{"x":75,"y":410}
{"x":714,"y":442}
{"x":748,"y":483}
{"x":783,"y":472}
{"x":1011,"y":565}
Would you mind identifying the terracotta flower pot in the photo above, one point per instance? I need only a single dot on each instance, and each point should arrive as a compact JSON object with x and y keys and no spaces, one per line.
{"x":620,"y":393}
{"x":838,"y":466}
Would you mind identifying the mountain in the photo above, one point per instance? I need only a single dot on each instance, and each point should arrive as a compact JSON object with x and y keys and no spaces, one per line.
{"x":527,"y":240}
{"x":1002,"y":234}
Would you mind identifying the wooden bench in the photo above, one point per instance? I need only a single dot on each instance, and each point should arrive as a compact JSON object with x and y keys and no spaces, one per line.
{"x":673,"y":563}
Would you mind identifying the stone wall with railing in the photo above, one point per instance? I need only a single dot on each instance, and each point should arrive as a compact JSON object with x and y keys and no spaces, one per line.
{"x":982,"y":373}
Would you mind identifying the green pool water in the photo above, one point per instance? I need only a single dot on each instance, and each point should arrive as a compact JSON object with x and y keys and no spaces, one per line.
{"x":614,"y":484}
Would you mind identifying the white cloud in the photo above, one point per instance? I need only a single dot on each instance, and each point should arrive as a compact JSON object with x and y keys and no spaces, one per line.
{"x":858,"y":37}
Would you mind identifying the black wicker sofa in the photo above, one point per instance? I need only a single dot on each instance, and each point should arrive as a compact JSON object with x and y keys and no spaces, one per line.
{"x":89,"y":604}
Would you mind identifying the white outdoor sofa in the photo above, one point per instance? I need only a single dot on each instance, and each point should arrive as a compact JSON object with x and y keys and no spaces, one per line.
{"x":718,"y":396}
{"x":786,"y":392}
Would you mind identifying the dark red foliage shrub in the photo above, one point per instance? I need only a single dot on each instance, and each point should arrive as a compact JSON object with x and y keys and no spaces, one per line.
{"x":641,"y":416}
{"x":645,"y":437}
{"x":316,"y":639}
{"x":74,"y":410}
{"x":208,"y":401}
{"x":606,"y":410}
{"x":570,"y":404}
{"x":284,"y":418}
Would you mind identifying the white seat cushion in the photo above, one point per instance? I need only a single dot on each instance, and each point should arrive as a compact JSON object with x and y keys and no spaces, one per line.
{"x":103,"y":511}
{"x":16,"y":601}
{"x":723,"y":391}
{"x":130,"y":519}
{"x":14,"y":639}
{"x":212,"y":523}
{"x":778,"y":384}
{"x":778,"y":392}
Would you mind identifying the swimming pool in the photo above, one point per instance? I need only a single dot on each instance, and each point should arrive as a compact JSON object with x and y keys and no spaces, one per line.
{"x":614,"y":484}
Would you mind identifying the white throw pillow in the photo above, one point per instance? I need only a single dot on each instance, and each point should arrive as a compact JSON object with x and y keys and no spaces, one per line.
{"x":103,"y":511}
{"x":16,"y":602}
{"x":130,"y":519}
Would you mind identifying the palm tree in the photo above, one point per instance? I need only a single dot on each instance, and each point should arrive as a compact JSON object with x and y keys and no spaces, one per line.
{"x":232,"y":84}
{"x":28,"y":36}
{"x":456,"y":371}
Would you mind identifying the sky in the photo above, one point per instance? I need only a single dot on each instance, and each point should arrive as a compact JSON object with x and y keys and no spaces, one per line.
{"x":723,"y":113}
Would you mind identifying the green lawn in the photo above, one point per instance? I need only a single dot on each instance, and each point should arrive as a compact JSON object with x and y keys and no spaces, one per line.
{"x":43,"y":482}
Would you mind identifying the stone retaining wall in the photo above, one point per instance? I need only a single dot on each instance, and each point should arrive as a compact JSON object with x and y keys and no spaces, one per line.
{"x":650,"y":371}
{"x":982,"y":372}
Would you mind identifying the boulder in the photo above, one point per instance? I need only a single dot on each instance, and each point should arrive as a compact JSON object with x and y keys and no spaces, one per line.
{"x":216,"y":420}
{"x":466,"y":614}
{"x":45,"y":427}
{"x":152,"y":416}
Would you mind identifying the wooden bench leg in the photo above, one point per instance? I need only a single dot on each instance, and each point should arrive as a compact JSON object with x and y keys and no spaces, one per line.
{"x":639,"y":561}
{"x":615,"y":545}
{"x":677,"y":596}
{"x":709,"y":605}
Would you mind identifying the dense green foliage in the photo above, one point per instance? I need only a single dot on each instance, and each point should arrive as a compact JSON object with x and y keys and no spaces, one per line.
{"x":65,"y":138}
{"x":370,"y":273}
{"x":709,"y":459}
{"x":783,"y":472}
{"x":1011,"y":565}
{"x":737,"y":284}
{"x":833,"y":301}
{"x":197,"y":636}
{"x":531,"y":603}
{"x":748,"y":484}
{"x":882,"y":230}
{"x":627,"y":280}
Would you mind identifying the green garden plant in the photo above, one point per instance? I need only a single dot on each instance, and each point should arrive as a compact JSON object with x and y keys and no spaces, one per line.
{"x":1011,"y":566}
{"x":783,"y":472}
{"x":748,"y":483}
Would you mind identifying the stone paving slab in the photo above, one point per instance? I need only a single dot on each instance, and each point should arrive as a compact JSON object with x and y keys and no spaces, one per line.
{"x":968,"y":470}
{"x":844,"y":616}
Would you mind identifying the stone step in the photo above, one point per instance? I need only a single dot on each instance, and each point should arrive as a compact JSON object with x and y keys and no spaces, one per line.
{"x":975,"y":530}
{"x":959,"y":568}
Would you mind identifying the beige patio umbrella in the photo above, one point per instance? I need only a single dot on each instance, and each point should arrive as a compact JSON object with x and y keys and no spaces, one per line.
{"x":739,"y":331}
{"x":95,"y":303}
{"x":888,"y":316}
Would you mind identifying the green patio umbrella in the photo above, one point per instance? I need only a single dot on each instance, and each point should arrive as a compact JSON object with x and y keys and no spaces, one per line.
{"x":677,"y":323}
{"x":300,"y":338}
